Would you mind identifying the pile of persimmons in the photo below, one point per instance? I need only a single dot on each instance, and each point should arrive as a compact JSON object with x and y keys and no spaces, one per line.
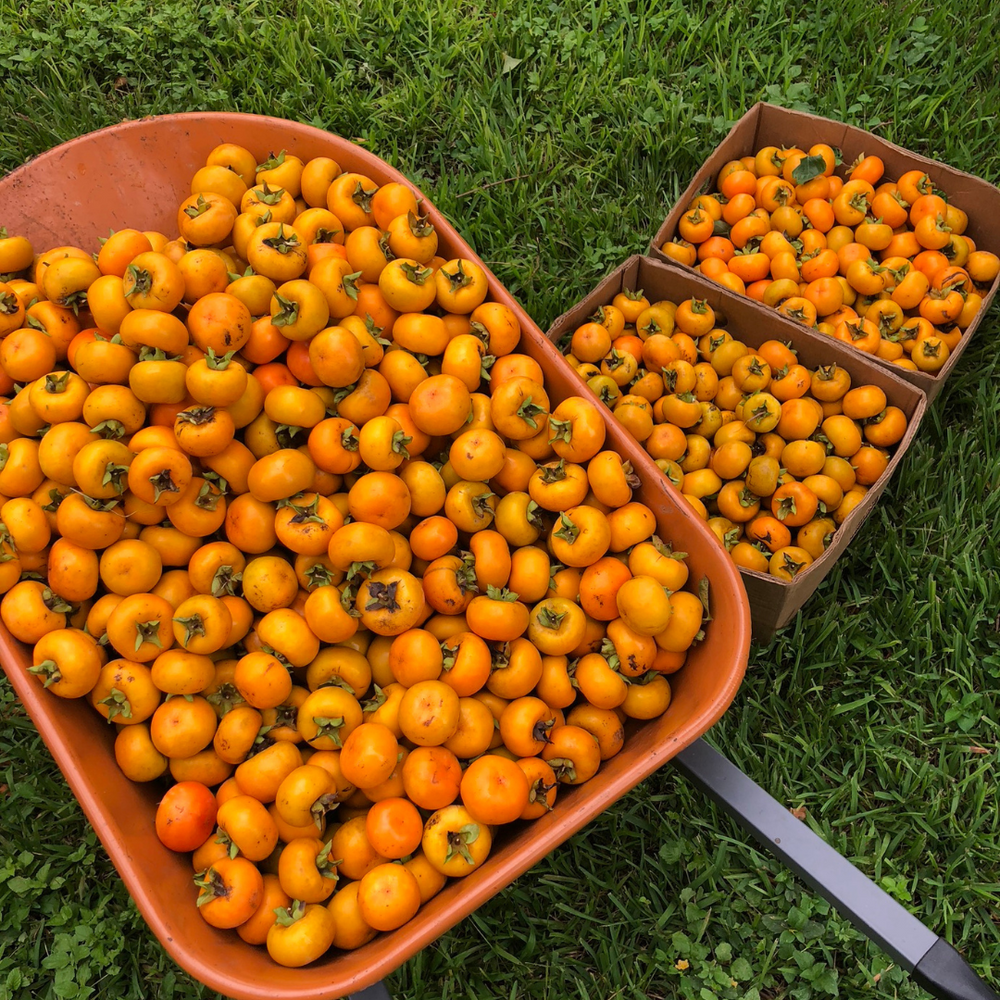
{"x":760,"y":446}
{"x":284,"y":501}
{"x":884,"y":266}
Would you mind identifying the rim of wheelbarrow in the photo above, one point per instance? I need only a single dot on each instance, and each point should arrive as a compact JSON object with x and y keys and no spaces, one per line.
{"x":120,"y":811}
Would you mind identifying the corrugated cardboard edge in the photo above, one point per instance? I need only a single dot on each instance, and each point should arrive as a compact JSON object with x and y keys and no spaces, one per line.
{"x":773,"y":603}
{"x":767,"y":124}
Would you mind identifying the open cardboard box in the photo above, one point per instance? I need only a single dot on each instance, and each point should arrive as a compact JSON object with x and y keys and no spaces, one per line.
{"x":769,"y":125}
{"x":773,"y":602}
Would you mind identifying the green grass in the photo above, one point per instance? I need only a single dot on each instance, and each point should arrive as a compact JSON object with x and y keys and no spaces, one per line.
{"x":876,"y":709}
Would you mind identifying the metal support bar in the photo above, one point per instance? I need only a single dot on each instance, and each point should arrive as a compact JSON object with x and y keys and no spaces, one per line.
{"x":376,"y":992}
{"x":937,"y":966}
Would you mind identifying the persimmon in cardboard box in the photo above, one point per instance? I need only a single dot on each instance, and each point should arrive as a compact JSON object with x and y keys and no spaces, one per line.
{"x":773,"y":602}
{"x":769,"y":125}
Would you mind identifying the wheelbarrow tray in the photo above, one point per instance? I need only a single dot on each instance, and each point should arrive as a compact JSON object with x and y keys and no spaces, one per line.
{"x":135,"y":175}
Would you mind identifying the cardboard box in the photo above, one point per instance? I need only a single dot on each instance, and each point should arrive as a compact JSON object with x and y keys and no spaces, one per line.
{"x":767,"y":125}
{"x":773,"y":603}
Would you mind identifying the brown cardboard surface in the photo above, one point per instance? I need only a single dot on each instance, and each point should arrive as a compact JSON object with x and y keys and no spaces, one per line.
{"x":773,"y":602}
{"x":767,"y":124}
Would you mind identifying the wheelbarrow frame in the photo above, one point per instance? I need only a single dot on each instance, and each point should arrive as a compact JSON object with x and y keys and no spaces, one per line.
{"x":932,"y":961}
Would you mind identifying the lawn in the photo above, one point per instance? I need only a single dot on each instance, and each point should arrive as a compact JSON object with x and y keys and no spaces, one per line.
{"x":556,"y":141}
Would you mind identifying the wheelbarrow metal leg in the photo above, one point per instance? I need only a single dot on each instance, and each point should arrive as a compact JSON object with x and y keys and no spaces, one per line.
{"x":376,"y":992}
{"x":937,"y":966}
